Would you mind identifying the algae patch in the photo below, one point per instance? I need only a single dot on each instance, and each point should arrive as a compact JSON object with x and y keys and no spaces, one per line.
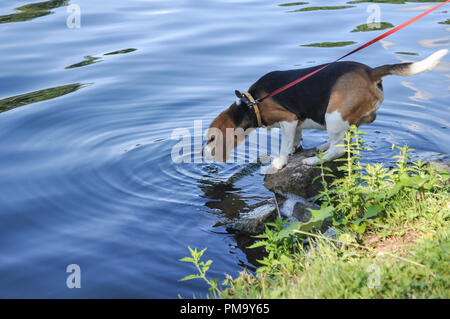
{"x":121,"y":51}
{"x":391,"y":1}
{"x":329,"y":44}
{"x":33,"y":10}
{"x":407,"y":53}
{"x":88,"y":60}
{"x":321,"y":8}
{"x":37,"y":96}
{"x":373,"y":27}
{"x":290,"y":4}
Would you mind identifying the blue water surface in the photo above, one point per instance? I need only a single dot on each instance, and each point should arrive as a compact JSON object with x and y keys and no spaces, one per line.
{"x":86,"y":174}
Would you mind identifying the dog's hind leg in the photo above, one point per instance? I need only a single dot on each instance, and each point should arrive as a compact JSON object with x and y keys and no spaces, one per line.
{"x":336,"y":128}
{"x":323,"y":147}
{"x":298,"y":139}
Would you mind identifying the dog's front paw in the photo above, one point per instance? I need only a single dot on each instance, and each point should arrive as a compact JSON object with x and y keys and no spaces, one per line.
{"x":279,"y":162}
{"x":311,"y":161}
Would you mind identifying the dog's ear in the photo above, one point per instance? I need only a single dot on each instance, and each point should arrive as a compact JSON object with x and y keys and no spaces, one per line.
{"x":238,"y":94}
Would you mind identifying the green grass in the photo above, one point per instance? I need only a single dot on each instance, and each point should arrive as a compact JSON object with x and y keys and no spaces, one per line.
{"x":346,"y":272}
{"x":445,"y":22}
{"x":392,"y":237}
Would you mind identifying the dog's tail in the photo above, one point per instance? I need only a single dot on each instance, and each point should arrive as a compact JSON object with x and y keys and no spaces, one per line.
{"x":407,"y":69}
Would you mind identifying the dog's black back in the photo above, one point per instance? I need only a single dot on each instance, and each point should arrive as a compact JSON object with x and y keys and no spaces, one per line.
{"x":308,"y":99}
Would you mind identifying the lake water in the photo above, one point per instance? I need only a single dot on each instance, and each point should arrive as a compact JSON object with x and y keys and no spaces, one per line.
{"x":86,"y":116}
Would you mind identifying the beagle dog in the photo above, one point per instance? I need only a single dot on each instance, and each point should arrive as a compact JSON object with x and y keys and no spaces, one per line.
{"x":343,"y":94}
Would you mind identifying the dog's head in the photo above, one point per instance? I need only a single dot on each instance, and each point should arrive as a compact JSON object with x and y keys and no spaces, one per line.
{"x":228,"y":130}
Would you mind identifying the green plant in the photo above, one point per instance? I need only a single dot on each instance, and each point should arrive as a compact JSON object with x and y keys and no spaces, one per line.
{"x":362,"y":198}
{"x":278,"y":242}
{"x":202,"y":268}
{"x":366,"y":192}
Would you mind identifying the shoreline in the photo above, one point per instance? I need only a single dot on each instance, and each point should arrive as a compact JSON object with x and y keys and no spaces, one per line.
{"x":378,"y":233}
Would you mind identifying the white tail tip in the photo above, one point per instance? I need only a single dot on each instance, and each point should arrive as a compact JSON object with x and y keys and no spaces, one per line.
{"x":428,"y":63}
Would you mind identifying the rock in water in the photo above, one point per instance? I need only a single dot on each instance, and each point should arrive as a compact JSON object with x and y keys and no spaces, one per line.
{"x":253,"y":222}
{"x":441,"y":165}
{"x":297,"y":178}
{"x":296,"y":207}
{"x":302,"y":213}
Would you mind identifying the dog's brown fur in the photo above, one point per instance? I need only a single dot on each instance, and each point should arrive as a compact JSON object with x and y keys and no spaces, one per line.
{"x":356,"y":96}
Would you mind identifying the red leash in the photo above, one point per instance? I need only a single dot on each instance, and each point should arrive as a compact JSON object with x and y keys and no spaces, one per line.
{"x":384,"y":35}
